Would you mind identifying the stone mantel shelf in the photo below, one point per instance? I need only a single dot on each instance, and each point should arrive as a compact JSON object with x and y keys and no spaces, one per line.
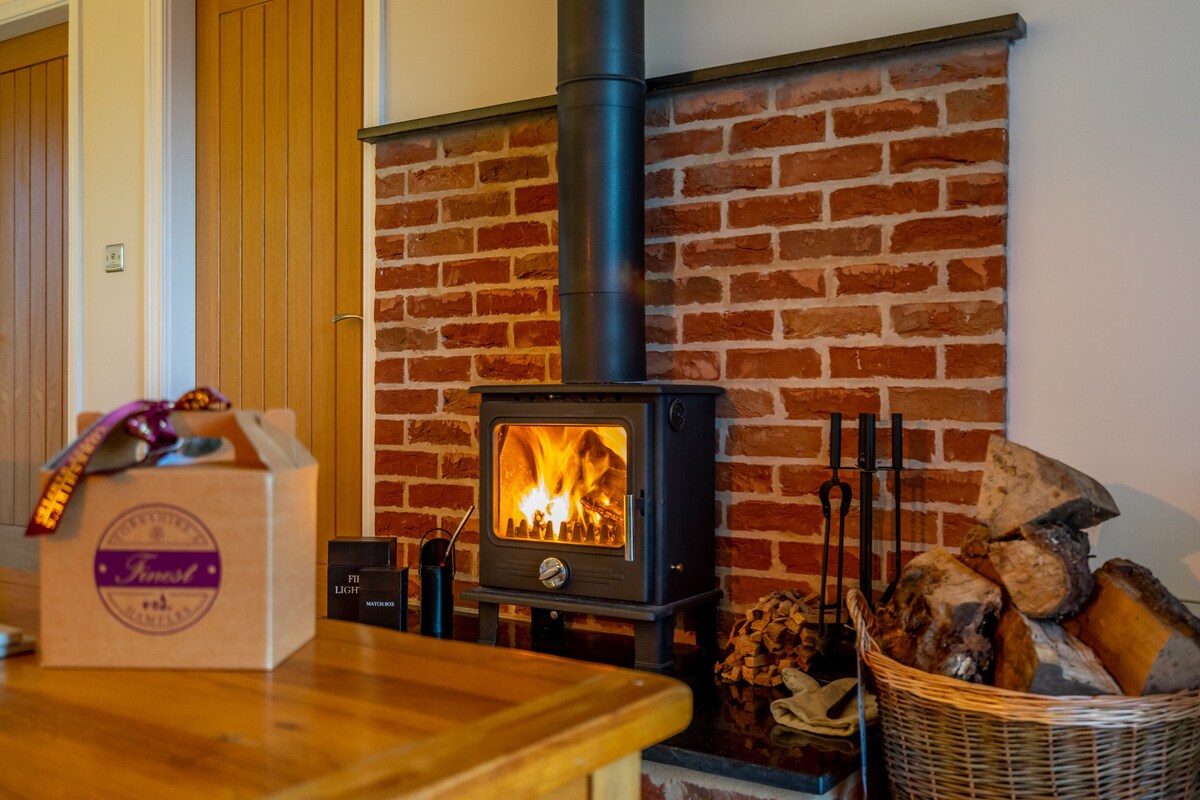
{"x":1006,"y":26}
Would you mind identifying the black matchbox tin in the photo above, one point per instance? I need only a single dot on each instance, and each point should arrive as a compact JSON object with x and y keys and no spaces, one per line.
{"x":348,"y":555}
{"x":383,"y":597}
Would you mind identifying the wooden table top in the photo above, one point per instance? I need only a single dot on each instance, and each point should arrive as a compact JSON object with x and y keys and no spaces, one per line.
{"x":358,"y":711}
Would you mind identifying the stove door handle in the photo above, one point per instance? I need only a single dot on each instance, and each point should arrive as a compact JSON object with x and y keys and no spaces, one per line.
{"x":630,"y":510}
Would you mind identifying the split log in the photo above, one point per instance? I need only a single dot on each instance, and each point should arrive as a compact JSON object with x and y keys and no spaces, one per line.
{"x":1143,"y":635}
{"x":776,"y":633}
{"x":974,"y":552}
{"x":1021,"y":486}
{"x":940,"y":616}
{"x":1041,"y":658}
{"x":1045,"y":572}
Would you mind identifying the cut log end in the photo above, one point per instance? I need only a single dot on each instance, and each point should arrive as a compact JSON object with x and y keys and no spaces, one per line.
{"x":1021,"y":486}
{"x":1145,"y":637}
{"x":1045,"y":572}
{"x":1040,"y":657}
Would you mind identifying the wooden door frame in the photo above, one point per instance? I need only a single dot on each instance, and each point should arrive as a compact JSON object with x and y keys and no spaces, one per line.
{"x":169,"y":316}
{"x":374,"y":87}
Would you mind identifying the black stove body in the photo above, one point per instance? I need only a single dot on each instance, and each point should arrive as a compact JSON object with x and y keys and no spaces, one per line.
{"x":599,"y":499}
{"x":639,"y":527}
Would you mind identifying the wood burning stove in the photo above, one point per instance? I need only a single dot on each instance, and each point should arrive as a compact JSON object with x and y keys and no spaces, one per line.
{"x":597,"y":494}
{"x":598,"y":498}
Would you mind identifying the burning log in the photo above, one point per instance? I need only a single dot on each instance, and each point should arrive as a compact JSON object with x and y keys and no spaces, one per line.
{"x":939,"y":617}
{"x":1021,"y":486}
{"x":609,"y":513}
{"x":774,"y":635}
{"x":1041,"y":658}
{"x":1146,"y":638}
{"x":556,"y":475}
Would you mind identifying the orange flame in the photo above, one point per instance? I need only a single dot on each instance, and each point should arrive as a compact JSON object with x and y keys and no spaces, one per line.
{"x":561,"y":473}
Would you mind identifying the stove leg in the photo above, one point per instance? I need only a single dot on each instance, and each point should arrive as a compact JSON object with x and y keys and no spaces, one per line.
{"x":654,"y":644}
{"x":705,"y":619}
{"x":489,"y":623}
{"x":547,"y":631}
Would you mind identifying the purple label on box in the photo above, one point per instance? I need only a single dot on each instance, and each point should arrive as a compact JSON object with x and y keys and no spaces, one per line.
{"x":157,"y":569}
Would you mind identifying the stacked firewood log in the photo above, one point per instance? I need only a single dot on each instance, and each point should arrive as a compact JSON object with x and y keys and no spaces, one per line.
{"x":777,"y":633}
{"x":1020,"y":607}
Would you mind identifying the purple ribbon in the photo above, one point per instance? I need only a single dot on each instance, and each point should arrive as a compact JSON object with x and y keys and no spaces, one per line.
{"x":148,"y":420}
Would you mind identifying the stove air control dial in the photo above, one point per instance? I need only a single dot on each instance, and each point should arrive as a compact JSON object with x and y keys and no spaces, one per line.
{"x":677,"y":415}
{"x":553,"y":573}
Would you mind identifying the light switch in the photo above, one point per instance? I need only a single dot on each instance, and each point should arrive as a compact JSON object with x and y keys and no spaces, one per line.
{"x":114,"y":258}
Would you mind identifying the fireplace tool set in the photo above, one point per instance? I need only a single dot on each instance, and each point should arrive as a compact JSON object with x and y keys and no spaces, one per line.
{"x":866,"y":466}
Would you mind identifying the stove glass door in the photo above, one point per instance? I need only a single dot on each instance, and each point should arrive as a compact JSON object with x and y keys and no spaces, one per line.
{"x":565,"y":483}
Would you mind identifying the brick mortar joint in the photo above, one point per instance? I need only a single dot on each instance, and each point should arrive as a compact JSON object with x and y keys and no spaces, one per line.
{"x":829,"y":140}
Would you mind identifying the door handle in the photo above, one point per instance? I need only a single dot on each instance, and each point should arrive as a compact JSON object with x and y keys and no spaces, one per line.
{"x":339,"y":317}
{"x":630,"y":510}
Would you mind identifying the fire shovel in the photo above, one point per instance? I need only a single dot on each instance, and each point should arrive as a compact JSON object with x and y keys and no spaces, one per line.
{"x":824,"y":493}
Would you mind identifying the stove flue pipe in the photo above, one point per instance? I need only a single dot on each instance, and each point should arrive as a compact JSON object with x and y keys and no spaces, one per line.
{"x":601,"y":235}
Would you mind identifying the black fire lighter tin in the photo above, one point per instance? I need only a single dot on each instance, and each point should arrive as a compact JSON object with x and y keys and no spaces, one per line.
{"x":347,"y":556}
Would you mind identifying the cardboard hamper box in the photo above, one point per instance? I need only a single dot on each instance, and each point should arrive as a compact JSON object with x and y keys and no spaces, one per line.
{"x":204,"y":565}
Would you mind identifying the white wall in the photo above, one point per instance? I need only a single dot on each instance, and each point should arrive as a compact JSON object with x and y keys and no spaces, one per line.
{"x":458,"y":54}
{"x":136,"y":125}
{"x":111,"y":165}
{"x":1104,"y":238}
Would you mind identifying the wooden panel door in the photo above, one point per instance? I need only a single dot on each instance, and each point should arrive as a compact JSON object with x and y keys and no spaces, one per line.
{"x":33,"y":250}
{"x":279,"y":225}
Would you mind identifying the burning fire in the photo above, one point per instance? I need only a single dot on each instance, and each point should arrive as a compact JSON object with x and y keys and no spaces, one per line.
{"x":564,"y":482}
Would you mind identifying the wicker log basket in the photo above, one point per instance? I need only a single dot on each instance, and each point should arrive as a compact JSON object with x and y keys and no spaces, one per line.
{"x":944,"y":738}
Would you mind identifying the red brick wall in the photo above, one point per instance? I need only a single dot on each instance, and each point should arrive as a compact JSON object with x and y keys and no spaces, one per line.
{"x":820,"y":241}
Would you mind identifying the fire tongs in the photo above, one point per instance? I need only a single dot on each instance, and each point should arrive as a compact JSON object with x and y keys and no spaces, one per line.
{"x":835,"y":462}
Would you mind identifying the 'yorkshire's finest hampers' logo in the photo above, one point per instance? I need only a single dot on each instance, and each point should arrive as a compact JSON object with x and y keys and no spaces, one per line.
{"x":157,"y":569}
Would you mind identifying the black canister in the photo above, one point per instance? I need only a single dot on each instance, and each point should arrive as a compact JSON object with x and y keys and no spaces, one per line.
{"x":383,"y":597}
{"x":437,"y":589}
